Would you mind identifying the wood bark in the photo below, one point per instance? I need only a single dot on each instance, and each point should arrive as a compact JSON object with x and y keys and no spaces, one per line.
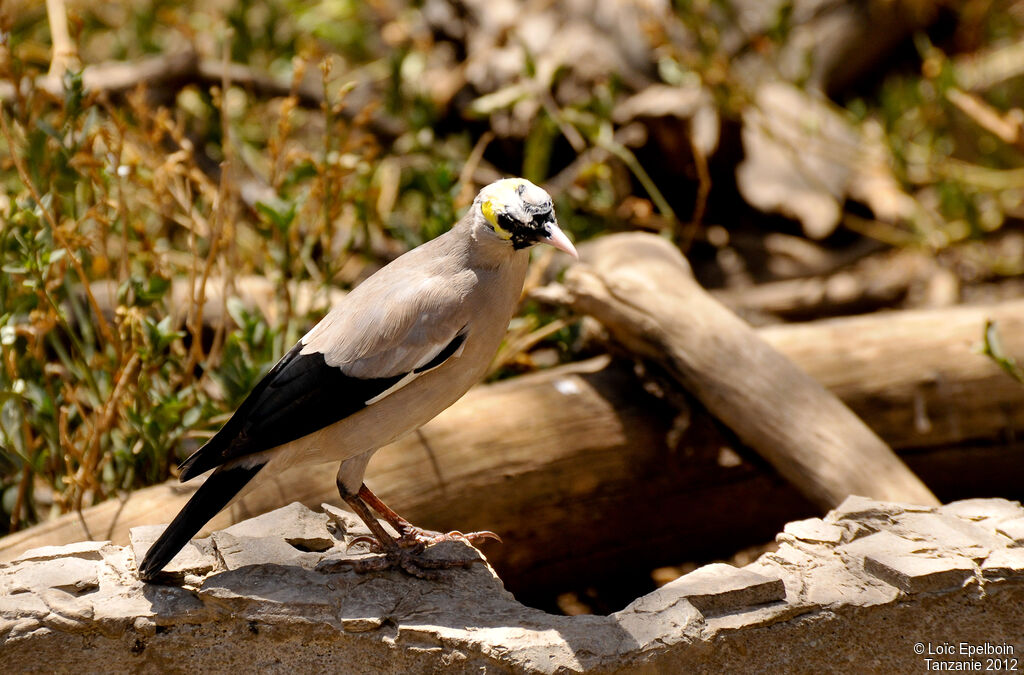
{"x":874,"y":282}
{"x":640,"y":287}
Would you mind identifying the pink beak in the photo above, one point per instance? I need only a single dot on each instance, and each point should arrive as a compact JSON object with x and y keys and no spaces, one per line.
{"x":558,"y":239}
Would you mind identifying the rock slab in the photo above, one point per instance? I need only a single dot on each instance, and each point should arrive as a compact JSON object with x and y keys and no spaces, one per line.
{"x":871,"y":587}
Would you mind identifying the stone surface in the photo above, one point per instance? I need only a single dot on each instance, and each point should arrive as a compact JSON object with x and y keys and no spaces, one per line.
{"x":852,"y":592}
{"x":1004,"y":563}
{"x":984,"y":510}
{"x":345,"y":525}
{"x":814,"y":530}
{"x":918,"y":574}
{"x":865,"y":510}
{"x":89,"y":550}
{"x":304,"y":529}
{"x":73,"y":575}
{"x":882,"y":543}
{"x":951,"y":534}
{"x":237,"y":551}
{"x":1014,"y":529}
{"x":196,"y":557}
{"x":718,"y":588}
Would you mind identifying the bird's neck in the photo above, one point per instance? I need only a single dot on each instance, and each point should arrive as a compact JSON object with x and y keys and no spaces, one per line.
{"x":484,"y":250}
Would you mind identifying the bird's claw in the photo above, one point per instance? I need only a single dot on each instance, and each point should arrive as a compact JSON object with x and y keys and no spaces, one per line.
{"x":412,"y":536}
{"x":415,"y":539}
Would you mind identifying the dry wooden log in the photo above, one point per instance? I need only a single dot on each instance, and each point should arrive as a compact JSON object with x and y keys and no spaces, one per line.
{"x":640,"y":287}
{"x":874,"y":282}
{"x":578,"y":465}
{"x":919,"y":377}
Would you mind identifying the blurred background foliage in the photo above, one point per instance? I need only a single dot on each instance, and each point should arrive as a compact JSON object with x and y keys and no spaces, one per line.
{"x":164,"y":241}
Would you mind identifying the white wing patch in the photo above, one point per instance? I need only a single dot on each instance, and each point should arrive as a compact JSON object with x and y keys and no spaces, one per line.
{"x":393,"y":388}
{"x":417,"y":373}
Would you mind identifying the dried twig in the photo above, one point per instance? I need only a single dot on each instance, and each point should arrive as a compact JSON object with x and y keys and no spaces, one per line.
{"x":1006,"y":128}
{"x":627,"y":136}
{"x":701,"y":202}
{"x":65,"y":54}
{"x":983,"y":70}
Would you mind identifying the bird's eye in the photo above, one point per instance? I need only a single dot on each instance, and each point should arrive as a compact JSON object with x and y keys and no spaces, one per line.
{"x":541,"y":219}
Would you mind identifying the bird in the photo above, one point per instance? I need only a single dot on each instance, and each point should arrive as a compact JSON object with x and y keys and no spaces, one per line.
{"x":396,"y":351}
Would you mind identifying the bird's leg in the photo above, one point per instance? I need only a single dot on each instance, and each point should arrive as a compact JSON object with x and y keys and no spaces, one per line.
{"x":410,"y":536}
{"x":408,"y":558}
{"x":382,"y":540}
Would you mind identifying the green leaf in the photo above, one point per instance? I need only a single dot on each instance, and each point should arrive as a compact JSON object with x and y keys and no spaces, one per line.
{"x":993,"y":348}
{"x":280,"y":215}
{"x":191,"y":417}
{"x":47,"y":129}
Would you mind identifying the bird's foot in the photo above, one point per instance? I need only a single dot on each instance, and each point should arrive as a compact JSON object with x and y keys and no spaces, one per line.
{"x":410,"y":560}
{"x":416,"y":539}
{"x":412,"y":536}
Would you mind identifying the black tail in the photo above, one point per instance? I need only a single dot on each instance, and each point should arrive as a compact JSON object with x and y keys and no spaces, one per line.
{"x":212,"y":496}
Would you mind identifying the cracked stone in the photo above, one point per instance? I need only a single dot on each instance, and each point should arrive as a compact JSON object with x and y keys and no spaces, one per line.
{"x":70,"y":607}
{"x":1007,"y":562}
{"x":675,"y":619}
{"x":19,"y":606}
{"x":719,"y":587}
{"x":295,"y":524}
{"x":790,"y":556}
{"x":196,"y":557}
{"x":119,"y":607}
{"x":88,"y":550}
{"x":883,"y":543}
{"x":73,"y":575}
{"x":984,"y":509}
{"x":814,"y":530}
{"x":918,"y":574}
{"x":296,"y":590}
{"x":860,"y":508}
{"x":950,"y":533}
{"x":240,"y":551}
{"x":362,"y":624}
{"x":1014,"y":529}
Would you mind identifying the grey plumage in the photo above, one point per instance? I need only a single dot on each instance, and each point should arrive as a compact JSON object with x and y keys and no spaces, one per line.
{"x":399,"y":349}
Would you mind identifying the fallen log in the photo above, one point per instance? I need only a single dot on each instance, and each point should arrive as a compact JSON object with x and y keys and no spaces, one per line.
{"x":571,"y":460}
{"x":874,"y":282}
{"x":640,"y":288}
{"x":918,"y":377}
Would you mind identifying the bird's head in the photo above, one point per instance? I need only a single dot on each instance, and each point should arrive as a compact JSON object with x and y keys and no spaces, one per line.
{"x":521,"y":213}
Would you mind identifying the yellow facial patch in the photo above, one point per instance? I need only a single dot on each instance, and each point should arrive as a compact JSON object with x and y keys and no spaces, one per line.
{"x":498,"y":195}
{"x":487,"y":208}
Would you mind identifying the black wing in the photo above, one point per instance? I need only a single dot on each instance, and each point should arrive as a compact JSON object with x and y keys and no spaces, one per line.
{"x":301,"y":394}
